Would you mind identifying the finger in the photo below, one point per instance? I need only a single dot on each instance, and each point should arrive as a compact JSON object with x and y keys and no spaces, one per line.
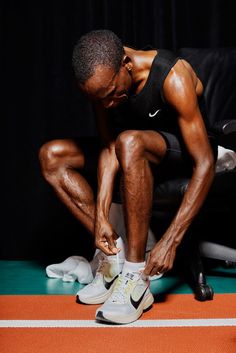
{"x":148,"y":268}
{"x":112,"y":246}
{"x":151,"y":269}
{"x":155,"y":271}
{"x":103,"y":246}
{"x":107,"y":252}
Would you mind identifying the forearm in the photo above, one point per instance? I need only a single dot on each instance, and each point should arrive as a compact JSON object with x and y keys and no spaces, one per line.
{"x":107,"y":170}
{"x":104,"y":233}
{"x":193,"y":200}
{"x":163,"y":254}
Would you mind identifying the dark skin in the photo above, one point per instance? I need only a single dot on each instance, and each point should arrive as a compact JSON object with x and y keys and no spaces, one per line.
{"x":132,"y":153}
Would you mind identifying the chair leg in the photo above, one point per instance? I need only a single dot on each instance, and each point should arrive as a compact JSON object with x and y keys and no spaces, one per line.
{"x":193,"y":271}
{"x":202,"y":290}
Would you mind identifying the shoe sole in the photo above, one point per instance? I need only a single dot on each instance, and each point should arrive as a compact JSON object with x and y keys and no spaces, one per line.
{"x":144,"y":306}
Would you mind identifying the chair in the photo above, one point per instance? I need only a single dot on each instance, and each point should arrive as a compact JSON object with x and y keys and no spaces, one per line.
{"x":217,"y":68}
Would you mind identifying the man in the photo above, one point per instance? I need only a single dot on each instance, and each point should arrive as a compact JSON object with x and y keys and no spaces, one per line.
{"x":150,"y":121}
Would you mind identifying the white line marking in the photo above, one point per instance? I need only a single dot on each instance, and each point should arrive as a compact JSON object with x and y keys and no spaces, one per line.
{"x":94,"y":324}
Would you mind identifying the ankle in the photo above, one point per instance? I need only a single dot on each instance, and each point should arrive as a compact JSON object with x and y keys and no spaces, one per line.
{"x":133,"y":266}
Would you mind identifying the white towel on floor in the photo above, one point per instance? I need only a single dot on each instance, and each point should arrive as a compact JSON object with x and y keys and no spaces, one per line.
{"x":74,"y":268}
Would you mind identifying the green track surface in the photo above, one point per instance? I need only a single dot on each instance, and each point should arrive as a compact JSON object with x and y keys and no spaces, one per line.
{"x":29,"y":278}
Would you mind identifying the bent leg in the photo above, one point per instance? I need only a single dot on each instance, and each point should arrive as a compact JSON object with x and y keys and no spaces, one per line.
{"x":61,"y":162}
{"x":135,"y":151}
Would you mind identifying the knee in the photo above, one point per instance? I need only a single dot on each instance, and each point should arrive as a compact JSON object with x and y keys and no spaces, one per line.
{"x":56,"y":155}
{"x":50,"y":157}
{"x":129,"y":147}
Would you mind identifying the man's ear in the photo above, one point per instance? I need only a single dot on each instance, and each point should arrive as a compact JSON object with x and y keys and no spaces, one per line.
{"x":127,"y":62}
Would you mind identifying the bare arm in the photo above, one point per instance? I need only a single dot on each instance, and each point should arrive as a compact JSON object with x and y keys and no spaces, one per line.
{"x":107,"y":170}
{"x":180,"y":92}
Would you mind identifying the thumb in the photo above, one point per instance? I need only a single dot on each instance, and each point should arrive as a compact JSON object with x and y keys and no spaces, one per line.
{"x":148,"y":266}
{"x":112,"y":245}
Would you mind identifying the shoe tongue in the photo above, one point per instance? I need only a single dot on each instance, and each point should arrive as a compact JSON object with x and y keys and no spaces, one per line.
{"x":131,"y":275}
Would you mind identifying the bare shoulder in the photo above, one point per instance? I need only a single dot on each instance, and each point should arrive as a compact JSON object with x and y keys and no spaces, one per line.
{"x":182,"y":75}
{"x":142,"y":59}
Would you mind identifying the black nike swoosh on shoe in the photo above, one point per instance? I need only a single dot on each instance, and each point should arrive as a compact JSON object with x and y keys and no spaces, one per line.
{"x":78,"y":301}
{"x":101,"y":319}
{"x":137,"y":303}
{"x":108,"y":285}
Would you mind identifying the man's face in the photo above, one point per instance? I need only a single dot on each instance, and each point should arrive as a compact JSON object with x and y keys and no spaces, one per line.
{"x":108,"y":87}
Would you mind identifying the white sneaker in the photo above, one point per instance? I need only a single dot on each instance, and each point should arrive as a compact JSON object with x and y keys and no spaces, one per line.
{"x":130,"y":297}
{"x":99,"y":290}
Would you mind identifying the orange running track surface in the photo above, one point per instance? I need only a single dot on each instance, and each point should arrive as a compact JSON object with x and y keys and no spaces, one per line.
{"x":122,"y":339}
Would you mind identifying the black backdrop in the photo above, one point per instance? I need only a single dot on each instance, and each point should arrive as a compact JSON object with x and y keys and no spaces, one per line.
{"x":40,"y":101}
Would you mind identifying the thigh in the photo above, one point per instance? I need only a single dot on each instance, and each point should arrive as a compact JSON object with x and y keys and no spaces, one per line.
{"x":177,"y":162}
{"x":143,"y":143}
{"x":166,"y":154}
{"x":163,"y":150}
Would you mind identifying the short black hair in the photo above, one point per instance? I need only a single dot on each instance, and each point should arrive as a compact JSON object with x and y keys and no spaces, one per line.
{"x":97,"y":47}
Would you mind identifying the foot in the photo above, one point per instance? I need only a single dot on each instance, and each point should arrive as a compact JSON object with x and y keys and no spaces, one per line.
{"x":99,"y":290}
{"x":130,"y":297}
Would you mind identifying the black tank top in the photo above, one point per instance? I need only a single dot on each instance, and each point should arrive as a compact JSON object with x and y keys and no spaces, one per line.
{"x":149,"y":100}
{"x":147,"y":109}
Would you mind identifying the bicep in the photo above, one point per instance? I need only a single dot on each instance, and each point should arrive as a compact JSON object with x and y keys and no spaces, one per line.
{"x":194,"y":134}
{"x":181,"y":95}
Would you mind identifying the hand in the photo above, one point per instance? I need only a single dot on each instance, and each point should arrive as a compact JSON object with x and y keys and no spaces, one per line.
{"x":105,"y":238}
{"x":160,"y":259}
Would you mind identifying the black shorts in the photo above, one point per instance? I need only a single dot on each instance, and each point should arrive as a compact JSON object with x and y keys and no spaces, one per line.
{"x":177,"y":162}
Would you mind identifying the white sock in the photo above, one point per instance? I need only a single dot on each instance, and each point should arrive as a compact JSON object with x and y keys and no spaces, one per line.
{"x":133,"y":266}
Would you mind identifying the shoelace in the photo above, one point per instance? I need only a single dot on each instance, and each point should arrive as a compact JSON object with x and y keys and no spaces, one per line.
{"x":102,"y":263}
